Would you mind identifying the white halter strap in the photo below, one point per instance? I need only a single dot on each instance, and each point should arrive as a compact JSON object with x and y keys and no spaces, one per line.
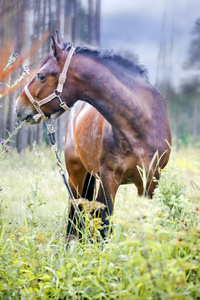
{"x":56,"y":94}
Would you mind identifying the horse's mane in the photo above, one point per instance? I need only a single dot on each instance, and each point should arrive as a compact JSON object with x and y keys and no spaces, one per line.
{"x":129,"y":61}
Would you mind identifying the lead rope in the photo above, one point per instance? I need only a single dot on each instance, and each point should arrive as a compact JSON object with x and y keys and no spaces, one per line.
{"x":51,"y":134}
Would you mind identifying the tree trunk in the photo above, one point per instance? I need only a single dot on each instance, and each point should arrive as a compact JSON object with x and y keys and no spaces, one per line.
{"x":76,"y":23}
{"x":177,"y":123}
{"x":22,"y":139}
{"x":45,"y":46}
{"x":41,"y":19}
{"x":39,"y":135}
{"x":4,"y":110}
{"x":91,"y":23}
{"x":50,"y":17}
{"x":12,"y":118}
{"x":68,"y":21}
{"x":58,"y":11}
{"x":98,"y":22}
{"x":6,"y":33}
{"x":195,"y":121}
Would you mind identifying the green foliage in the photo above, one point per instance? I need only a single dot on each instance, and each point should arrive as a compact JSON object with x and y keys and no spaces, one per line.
{"x":152,"y":253}
{"x":183,"y":107}
{"x":172,"y":192}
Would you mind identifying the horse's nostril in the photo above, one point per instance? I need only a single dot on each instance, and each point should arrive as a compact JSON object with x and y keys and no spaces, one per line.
{"x":28,"y":119}
{"x":17,"y":112}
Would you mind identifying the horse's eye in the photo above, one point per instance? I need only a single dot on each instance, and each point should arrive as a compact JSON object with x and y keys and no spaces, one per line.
{"x":41,"y":77}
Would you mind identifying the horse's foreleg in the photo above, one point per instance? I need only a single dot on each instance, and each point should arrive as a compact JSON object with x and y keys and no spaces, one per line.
{"x":76,"y":183}
{"x":148,"y":189}
{"x":106,"y":195}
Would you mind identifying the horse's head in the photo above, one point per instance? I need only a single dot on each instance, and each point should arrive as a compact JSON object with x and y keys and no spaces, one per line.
{"x":44,"y":95}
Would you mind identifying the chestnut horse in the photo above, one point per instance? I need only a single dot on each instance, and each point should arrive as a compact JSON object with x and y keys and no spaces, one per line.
{"x":119,"y":129}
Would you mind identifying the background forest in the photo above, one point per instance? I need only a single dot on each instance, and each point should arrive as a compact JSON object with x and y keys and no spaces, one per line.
{"x":24,"y":22}
{"x":154,"y":250}
{"x":80,"y":21}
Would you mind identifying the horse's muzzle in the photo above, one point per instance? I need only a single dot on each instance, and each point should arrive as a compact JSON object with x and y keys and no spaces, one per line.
{"x":26,"y":114}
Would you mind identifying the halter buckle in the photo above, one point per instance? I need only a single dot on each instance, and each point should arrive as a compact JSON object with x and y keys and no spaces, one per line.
{"x":36,"y":104}
{"x":62,"y":78}
{"x":64,"y":106}
{"x":62,"y":103}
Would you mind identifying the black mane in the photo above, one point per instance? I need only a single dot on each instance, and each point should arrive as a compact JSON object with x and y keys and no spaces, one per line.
{"x":129,"y":62}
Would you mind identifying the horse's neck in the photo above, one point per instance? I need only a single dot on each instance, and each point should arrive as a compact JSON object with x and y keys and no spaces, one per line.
{"x":116,"y":102}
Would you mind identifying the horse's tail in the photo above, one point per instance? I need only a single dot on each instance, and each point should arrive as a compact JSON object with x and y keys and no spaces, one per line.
{"x":89,"y":187}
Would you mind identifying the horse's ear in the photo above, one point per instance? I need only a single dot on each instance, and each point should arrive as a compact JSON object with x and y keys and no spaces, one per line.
{"x":57,"y":52}
{"x":59,"y":38}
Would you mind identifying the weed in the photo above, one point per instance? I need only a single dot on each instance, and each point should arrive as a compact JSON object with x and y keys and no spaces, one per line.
{"x":152,"y":253}
{"x":178,"y":206}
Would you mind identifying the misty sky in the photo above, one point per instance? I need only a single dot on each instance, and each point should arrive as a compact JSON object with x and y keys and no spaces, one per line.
{"x":140,"y":26}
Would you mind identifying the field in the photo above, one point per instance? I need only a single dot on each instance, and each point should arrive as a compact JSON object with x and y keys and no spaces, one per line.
{"x":153,"y":253}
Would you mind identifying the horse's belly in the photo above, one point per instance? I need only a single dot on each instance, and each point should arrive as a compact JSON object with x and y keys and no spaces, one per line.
{"x":128,"y":180}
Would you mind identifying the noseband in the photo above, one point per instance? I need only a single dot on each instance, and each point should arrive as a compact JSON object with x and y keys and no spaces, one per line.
{"x":56,"y":94}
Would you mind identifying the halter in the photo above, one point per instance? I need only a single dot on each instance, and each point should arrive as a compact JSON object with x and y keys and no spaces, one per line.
{"x":50,"y":129}
{"x":56,"y":94}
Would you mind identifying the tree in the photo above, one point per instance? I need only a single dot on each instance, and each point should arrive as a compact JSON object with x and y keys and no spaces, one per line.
{"x":75,"y":22}
{"x":194,"y":49}
{"x":7,"y":22}
{"x":24,"y":22}
{"x":190,"y":106}
{"x":94,"y":7}
{"x":191,"y":88}
{"x":91,"y":23}
{"x":98,"y":22}
{"x":24,"y":44}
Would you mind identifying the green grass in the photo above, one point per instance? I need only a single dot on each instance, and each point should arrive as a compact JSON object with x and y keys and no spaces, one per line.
{"x":153,"y":253}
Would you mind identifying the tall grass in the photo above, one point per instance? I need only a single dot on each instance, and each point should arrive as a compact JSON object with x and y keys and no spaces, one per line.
{"x":153,"y":253}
